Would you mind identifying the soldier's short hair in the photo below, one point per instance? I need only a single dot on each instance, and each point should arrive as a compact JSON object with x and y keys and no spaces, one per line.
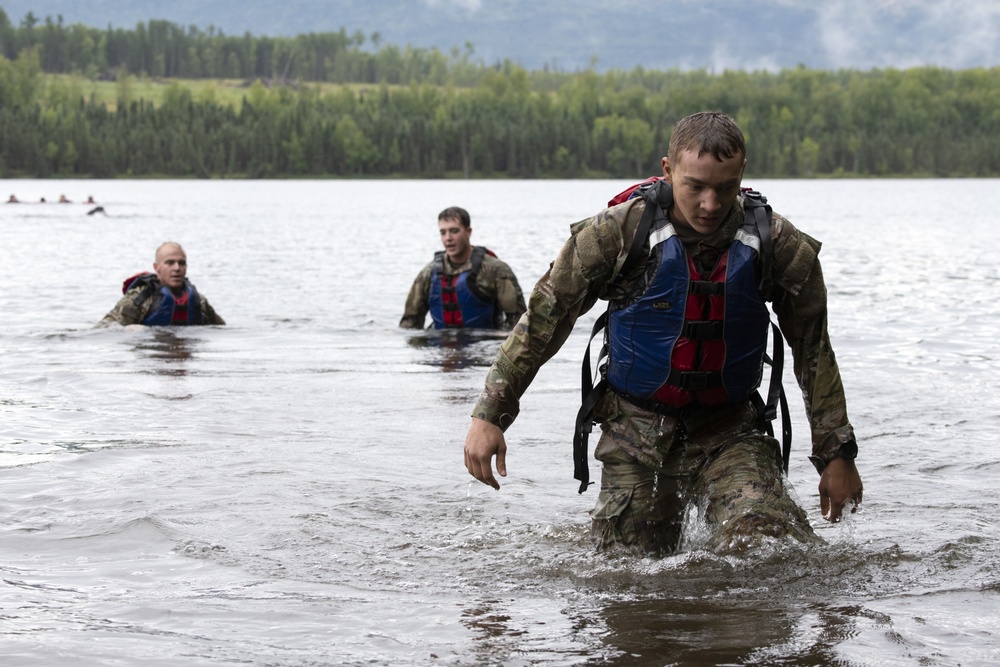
{"x":166,"y":244}
{"x":456,"y":213}
{"x":707,"y":132}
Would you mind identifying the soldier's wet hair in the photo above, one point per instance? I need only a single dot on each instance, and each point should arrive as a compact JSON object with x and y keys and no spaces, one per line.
{"x":707,"y":132}
{"x":456,"y":213}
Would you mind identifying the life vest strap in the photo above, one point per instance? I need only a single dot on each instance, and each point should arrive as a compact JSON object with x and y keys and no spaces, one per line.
{"x":651,"y":405}
{"x":708,"y":330}
{"x":694,"y":380}
{"x":707,"y":288}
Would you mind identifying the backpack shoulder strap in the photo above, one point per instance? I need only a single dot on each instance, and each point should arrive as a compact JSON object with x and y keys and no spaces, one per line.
{"x":478,"y":252}
{"x":439,"y":262}
{"x":757,"y":211}
{"x":147,"y":281}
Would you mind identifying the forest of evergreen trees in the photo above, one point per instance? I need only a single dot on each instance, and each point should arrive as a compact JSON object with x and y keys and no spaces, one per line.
{"x":425,"y":114}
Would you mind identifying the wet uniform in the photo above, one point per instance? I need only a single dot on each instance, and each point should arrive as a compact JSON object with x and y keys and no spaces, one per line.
{"x":715,"y":458}
{"x":136,"y":305}
{"x":495,"y":281}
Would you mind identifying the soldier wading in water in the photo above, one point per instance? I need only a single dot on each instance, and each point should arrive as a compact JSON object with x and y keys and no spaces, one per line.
{"x":687,"y":326}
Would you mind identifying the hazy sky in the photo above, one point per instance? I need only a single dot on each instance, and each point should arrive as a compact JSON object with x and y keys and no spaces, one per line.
{"x":569,"y":34}
{"x":905,"y":33}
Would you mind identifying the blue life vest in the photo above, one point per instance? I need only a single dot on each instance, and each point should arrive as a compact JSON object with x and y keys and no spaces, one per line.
{"x":162,"y":311}
{"x":455,"y":300}
{"x":683,"y":339}
{"x":691,"y":339}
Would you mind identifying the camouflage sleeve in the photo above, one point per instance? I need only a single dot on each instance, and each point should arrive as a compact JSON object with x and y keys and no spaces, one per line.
{"x":126,"y":311}
{"x":800,"y":305}
{"x":497,"y":280}
{"x":208,"y":314}
{"x":580,"y":275}
{"x":415,"y":311}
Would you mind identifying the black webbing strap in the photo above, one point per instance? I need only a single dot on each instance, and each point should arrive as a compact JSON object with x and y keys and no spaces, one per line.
{"x":776,"y":397}
{"x":756,"y":203}
{"x":478,"y":253}
{"x":786,"y":430}
{"x":706,"y":288}
{"x":703,"y":330}
{"x":195,"y":307}
{"x":149,"y":285}
{"x":694,"y":380}
{"x":654,"y":206}
{"x":762,"y":217}
{"x":592,"y":394}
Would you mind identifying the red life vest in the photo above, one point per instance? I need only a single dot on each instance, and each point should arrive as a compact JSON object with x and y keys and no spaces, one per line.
{"x":694,"y":354}
{"x":181,"y":309}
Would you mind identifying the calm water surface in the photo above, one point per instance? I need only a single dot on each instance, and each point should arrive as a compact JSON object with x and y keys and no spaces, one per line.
{"x":289,"y":489}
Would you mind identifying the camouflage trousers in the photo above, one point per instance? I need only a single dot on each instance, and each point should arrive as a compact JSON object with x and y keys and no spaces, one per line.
{"x":717,"y":463}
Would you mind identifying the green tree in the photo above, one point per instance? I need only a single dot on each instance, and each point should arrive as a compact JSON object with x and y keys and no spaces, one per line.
{"x":808,"y":156}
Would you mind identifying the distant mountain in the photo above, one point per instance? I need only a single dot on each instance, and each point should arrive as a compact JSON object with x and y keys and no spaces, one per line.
{"x":572,"y":35}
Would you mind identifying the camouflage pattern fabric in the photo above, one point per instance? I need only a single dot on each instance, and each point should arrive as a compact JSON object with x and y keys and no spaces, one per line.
{"x":126,"y":311}
{"x":716,"y":461}
{"x":495,"y":280}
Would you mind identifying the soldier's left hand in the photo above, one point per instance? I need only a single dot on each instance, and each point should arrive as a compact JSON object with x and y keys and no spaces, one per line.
{"x":839,"y":485}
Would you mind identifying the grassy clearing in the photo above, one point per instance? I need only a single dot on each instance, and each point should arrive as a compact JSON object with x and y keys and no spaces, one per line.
{"x":225,"y":92}
{"x":229,"y":92}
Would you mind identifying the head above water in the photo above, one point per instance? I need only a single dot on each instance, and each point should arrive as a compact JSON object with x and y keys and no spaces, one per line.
{"x":455,"y":227}
{"x":705,"y":169}
{"x":170,"y":264}
{"x":456,"y":213}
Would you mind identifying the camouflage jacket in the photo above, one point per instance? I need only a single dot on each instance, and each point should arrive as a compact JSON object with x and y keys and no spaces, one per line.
{"x":495,"y":281}
{"x":594,"y":255}
{"x":127,"y":311}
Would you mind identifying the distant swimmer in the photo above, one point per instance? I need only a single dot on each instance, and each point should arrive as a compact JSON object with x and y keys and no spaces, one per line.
{"x":42,"y":200}
{"x":96,"y":209}
{"x":63,"y":200}
{"x":13,"y":200}
{"x":90,"y":199}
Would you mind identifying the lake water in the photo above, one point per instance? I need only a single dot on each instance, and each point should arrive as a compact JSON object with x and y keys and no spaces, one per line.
{"x":289,"y":489}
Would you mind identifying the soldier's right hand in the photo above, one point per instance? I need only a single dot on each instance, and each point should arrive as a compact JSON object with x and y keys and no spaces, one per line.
{"x":484,"y":441}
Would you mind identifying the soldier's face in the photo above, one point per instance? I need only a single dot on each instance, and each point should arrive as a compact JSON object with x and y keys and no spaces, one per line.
{"x":455,"y":239}
{"x":171,"y":266}
{"x":705,"y":189}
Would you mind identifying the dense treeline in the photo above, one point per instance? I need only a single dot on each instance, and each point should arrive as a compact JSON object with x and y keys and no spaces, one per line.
{"x":166,"y":50}
{"x":459,"y":118}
